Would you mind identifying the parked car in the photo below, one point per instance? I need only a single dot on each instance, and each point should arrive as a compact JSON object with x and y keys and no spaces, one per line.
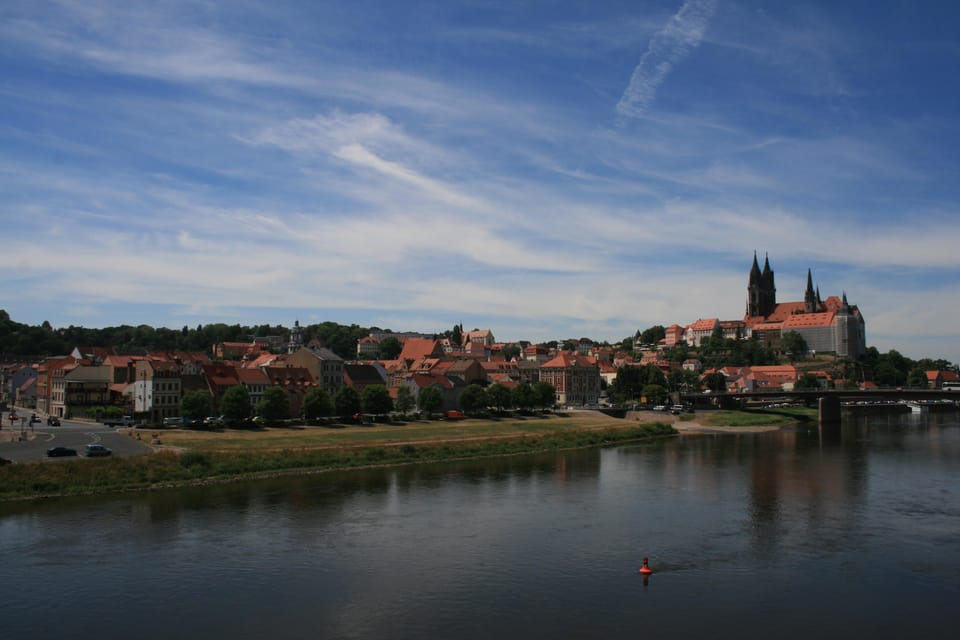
{"x":215,"y":421}
{"x":97,"y":450}
{"x":60,"y":452}
{"x":53,"y":421}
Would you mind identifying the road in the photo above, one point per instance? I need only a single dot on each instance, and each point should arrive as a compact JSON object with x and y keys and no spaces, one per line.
{"x":72,"y":433}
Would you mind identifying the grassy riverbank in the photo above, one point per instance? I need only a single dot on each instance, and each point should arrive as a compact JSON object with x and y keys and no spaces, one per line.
{"x":201,"y":457}
{"x":759,"y":417}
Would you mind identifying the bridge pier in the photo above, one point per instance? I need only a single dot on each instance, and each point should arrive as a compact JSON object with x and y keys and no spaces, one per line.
{"x":829,"y":409}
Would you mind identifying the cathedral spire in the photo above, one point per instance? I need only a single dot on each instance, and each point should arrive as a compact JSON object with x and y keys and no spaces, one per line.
{"x":755,"y":270}
{"x":810,"y":297}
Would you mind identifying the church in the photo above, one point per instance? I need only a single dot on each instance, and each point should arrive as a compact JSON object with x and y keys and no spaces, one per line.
{"x":831,"y":325}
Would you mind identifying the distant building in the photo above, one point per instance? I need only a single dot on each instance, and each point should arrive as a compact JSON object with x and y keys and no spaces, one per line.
{"x":831,"y":325}
{"x":575,"y":378}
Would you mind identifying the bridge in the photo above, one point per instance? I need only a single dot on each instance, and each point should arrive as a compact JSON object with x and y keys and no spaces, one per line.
{"x":829,"y":401}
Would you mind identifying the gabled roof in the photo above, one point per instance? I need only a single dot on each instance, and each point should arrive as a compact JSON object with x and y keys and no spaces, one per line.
{"x":417,"y":348}
{"x":567,"y":360}
{"x":221,"y":375}
{"x":250,"y":376}
{"x":362,"y":374}
{"x":704,"y":325}
{"x":287,"y":375}
{"x":424,"y":380}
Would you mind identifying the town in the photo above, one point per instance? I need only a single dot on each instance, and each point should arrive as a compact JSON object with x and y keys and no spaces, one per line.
{"x":777,"y":346}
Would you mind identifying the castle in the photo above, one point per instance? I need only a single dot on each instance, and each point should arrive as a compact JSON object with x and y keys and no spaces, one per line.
{"x":826,"y":325}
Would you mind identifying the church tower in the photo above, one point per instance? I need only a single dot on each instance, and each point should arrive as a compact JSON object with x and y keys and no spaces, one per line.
{"x":296,"y":338}
{"x":811,"y":298}
{"x":761,"y":290}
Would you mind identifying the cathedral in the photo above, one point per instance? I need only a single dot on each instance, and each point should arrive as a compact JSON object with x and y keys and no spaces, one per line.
{"x":831,"y":325}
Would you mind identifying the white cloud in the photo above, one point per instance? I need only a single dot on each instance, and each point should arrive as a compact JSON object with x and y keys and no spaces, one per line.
{"x":681,"y":35}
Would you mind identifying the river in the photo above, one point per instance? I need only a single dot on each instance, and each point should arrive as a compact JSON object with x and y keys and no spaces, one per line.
{"x":779,"y":534}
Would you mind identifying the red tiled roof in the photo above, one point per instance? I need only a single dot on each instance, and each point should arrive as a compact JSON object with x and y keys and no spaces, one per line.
{"x":823,"y":319}
{"x":704,"y":325}
{"x":567,"y":359}
{"x":417,"y":348}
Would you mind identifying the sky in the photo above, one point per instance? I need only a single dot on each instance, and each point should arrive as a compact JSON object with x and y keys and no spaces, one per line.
{"x":547,"y":170}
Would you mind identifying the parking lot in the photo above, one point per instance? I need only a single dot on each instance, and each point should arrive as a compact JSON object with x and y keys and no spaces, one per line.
{"x":21,"y":441}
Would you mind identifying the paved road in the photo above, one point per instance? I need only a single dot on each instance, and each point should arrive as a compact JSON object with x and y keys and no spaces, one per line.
{"x":73,"y":434}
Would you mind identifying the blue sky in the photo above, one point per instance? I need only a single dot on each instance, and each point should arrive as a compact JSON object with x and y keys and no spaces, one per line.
{"x":543,"y":169}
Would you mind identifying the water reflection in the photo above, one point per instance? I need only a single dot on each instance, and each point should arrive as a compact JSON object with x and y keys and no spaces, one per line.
{"x":752,"y":532}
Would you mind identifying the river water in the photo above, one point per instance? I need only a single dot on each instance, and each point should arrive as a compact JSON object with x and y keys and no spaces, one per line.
{"x":781,"y":534}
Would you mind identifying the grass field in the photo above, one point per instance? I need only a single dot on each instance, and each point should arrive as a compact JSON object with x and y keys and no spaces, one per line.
{"x":199,"y":457}
{"x":760,"y":417}
{"x":413,"y":432}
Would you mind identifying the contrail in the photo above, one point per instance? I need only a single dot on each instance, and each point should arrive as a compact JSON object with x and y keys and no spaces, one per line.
{"x":681,"y":35}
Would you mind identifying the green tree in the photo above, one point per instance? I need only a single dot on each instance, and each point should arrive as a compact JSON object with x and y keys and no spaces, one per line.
{"x":918,"y":379}
{"x":655,"y":393}
{"x":807,"y":382}
{"x":405,"y":401}
{"x":347,"y":402}
{"x":793,"y":344}
{"x":511,"y":351}
{"x":376,"y":399}
{"x":456,"y":336}
{"x":683,"y":380}
{"x":196,"y":405}
{"x":235,"y":404}
{"x":390,"y":348}
{"x":524,"y":396}
{"x":678,"y":353}
{"x":429,"y":400}
{"x":654,"y":334}
{"x":275,"y":405}
{"x":716,"y":382}
{"x":474,"y":399}
{"x":316,"y":404}
{"x":499,"y":397}
{"x":546,"y":394}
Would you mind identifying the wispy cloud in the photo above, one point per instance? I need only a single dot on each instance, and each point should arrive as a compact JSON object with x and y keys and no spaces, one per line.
{"x":681,"y":35}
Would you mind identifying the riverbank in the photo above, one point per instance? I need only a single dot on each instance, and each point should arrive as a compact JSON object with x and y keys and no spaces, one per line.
{"x":186,"y":458}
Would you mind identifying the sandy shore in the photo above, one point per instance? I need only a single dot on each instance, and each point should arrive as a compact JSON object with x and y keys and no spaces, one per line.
{"x":694,"y":426}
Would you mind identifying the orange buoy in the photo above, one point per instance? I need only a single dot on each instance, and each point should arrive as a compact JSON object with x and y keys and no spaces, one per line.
{"x":645,"y":569}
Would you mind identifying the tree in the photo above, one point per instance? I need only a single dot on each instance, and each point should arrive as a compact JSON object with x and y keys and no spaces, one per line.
{"x":627,"y":385}
{"x":793,"y":344}
{"x":196,"y":405}
{"x":275,"y":405}
{"x":716,"y":382}
{"x":390,"y":348}
{"x":316,"y":404}
{"x":683,"y":380}
{"x":807,"y":381}
{"x":235,"y":404}
{"x":655,"y":393}
{"x":456,"y":336}
{"x":474,"y":399}
{"x":918,"y":379}
{"x":511,"y":352}
{"x":546,"y":394}
{"x":347,"y":402}
{"x":376,"y":399}
{"x":429,"y":400}
{"x":654,"y":334}
{"x":499,"y":396}
{"x":524,"y":397}
{"x":405,"y":400}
